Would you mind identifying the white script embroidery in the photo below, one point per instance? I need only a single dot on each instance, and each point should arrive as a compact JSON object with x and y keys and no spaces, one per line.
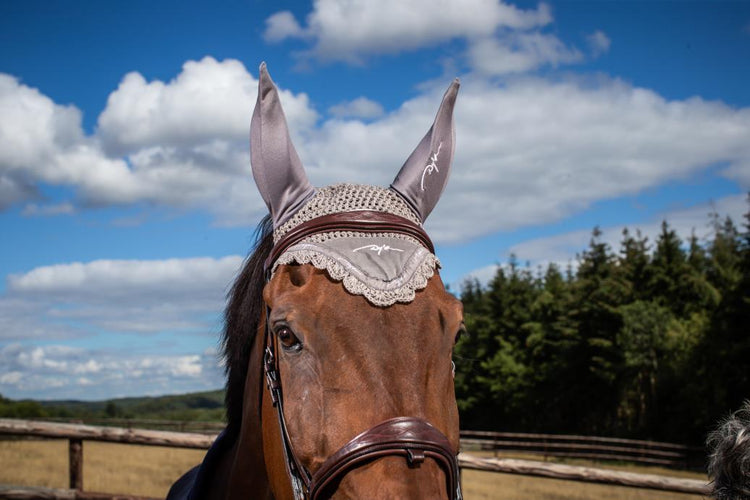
{"x":377,"y":248}
{"x":432,"y":166}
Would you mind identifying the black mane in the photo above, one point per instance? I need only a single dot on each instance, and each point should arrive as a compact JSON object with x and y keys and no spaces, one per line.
{"x":241,"y":318}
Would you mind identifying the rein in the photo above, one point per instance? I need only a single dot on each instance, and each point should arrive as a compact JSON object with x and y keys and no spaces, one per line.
{"x":412,"y":438}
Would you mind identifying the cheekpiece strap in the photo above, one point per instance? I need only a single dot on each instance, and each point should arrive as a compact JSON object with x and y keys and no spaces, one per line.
{"x":361,"y":221}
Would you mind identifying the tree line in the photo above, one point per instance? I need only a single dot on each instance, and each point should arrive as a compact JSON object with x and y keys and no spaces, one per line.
{"x":650,"y":341}
{"x":207,"y":406}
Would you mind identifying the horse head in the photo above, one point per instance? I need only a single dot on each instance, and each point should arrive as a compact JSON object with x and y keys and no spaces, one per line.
{"x":359,"y":329}
{"x":340,"y":370}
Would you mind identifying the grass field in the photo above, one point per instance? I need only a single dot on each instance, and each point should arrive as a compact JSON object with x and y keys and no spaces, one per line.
{"x":150,"y":470}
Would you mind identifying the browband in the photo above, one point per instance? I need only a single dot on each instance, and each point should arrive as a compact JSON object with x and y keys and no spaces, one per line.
{"x":360,"y":221}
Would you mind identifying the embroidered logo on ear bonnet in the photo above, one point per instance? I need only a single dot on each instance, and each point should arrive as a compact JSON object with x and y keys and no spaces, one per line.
{"x":385,"y":267}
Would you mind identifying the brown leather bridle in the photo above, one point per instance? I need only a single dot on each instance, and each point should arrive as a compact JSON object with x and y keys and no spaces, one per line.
{"x":415,"y":439}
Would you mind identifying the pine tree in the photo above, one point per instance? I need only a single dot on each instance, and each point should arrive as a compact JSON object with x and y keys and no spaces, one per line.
{"x":643,"y":342}
{"x":668,"y":266}
{"x":727,"y":347}
{"x":505,"y":371}
{"x":552,"y":338}
{"x":473,"y":347}
{"x":595,"y":357}
{"x":633,"y":265}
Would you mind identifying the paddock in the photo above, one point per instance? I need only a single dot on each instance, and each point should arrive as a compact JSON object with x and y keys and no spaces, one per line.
{"x":76,"y":439}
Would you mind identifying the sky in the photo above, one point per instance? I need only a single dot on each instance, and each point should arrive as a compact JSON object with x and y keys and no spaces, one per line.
{"x":126,"y":197}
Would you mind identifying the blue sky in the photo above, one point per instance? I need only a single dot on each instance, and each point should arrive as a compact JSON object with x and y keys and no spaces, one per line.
{"x":126,"y":200}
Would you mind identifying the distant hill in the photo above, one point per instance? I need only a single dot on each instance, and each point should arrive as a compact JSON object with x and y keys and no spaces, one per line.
{"x":197,"y":406}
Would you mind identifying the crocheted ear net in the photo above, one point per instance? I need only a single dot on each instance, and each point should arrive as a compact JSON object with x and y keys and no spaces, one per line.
{"x":385,"y":268}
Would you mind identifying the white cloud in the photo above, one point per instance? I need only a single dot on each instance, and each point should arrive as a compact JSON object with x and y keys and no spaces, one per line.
{"x":208,"y":101}
{"x":56,"y":371}
{"x":351,"y":29}
{"x":483,"y":275}
{"x":282,"y":25}
{"x":740,"y":172}
{"x":529,"y":151}
{"x":21,"y":318}
{"x":179,"y":144}
{"x":83,"y":299}
{"x":107,"y":278}
{"x":519,"y":53}
{"x":32,"y":127}
{"x":361,"y":107}
{"x":535,"y":152}
{"x":41,"y":141}
{"x":563,"y":248}
{"x":33,"y":209}
{"x":599,"y":43}
{"x":10,"y":378}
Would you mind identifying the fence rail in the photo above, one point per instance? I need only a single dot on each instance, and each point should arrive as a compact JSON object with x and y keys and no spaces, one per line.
{"x":588,"y":447}
{"x":584,"y":474}
{"x":76,"y":434}
{"x":24,"y":493}
{"x":195,"y":426}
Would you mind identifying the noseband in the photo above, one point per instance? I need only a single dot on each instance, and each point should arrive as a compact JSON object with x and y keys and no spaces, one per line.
{"x":412,"y":438}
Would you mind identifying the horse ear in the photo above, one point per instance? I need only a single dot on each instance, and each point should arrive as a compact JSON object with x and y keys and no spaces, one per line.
{"x":423,"y":177}
{"x":277,"y":169}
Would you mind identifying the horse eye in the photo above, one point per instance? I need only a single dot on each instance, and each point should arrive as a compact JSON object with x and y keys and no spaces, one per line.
{"x":460,"y":333}
{"x":289,"y":341}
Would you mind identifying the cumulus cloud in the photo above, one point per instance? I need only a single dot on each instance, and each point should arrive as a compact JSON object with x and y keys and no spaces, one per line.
{"x":47,"y":372}
{"x":181,"y":299}
{"x":502,"y":38}
{"x":529,"y":151}
{"x":282,"y":25}
{"x":519,"y":53}
{"x":208,"y":100}
{"x":361,"y":107}
{"x":599,"y":43}
{"x":181,"y":143}
{"x":563,"y":249}
{"x":41,"y":141}
{"x":535,"y":152}
{"x":33,"y":209}
{"x":352,"y":29}
{"x":483,"y":275}
{"x":110,"y":278}
{"x":117,"y":296}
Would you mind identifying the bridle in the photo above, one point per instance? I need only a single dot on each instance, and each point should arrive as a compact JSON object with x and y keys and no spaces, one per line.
{"x":413,"y":438}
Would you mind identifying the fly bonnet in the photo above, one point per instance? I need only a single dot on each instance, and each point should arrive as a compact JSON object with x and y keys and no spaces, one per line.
{"x":369,"y":238}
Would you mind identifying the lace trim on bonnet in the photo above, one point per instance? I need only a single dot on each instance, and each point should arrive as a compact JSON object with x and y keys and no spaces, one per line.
{"x":385,"y":268}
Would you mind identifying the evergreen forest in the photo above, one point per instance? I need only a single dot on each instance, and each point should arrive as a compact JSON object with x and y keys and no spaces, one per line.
{"x":649,"y":340}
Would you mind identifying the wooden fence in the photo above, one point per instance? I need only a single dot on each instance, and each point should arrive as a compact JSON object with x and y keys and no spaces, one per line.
{"x":587,"y":447}
{"x":76,"y":434}
{"x":194,"y":426}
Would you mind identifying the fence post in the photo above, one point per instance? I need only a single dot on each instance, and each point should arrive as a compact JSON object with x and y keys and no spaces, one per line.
{"x":75,"y":457}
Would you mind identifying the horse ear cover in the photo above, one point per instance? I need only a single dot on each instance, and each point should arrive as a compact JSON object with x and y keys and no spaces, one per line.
{"x":424,"y":176}
{"x":277,"y":169}
{"x":283,"y":183}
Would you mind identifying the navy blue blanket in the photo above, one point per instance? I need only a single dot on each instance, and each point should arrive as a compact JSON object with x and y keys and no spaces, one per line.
{"x":194,"y":484}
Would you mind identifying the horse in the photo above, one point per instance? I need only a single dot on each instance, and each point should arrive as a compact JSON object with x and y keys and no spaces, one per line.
{"x":338,"y":335}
